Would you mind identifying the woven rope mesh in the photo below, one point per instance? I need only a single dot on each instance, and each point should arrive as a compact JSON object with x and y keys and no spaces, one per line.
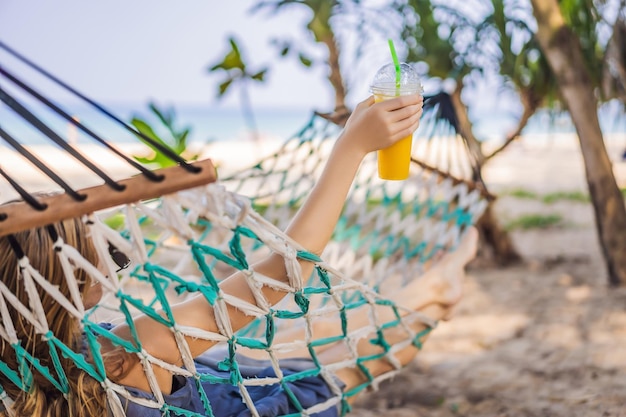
{"x":388,"y":229}
{"x":185,"y":244}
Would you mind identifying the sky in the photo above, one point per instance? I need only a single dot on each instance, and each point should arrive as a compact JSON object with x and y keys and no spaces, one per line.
{"x":126,"y":53}
{"x":119,"y":51}
{"x":135,"y":51}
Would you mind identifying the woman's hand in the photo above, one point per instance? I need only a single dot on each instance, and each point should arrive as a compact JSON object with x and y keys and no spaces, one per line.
{"x":373,"y":126}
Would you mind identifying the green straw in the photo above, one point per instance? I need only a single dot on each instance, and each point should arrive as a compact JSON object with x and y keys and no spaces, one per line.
{"x":396,"y":63}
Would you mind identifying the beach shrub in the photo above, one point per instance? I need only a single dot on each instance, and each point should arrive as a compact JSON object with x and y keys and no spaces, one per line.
{"x":522,"y":193}
{"x":535,"y":221}
{"x":176,"y":139}
{"x":549,"y":198}
{"x":115,"y":221}
{"x":576,"y":196}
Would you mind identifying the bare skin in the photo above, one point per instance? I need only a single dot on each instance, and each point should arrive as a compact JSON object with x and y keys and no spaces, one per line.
{"x":371,"y":127}
{"x":434,"y":295}
{"x":440,"y":286}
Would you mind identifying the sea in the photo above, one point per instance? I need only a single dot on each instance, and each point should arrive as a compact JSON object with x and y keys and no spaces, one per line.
{"x":211,"y":123}
{"x":206,"y":123}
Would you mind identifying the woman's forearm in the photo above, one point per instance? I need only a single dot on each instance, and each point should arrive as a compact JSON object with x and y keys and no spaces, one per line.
{"x":314,"y":223}
{"x":370,"y":127}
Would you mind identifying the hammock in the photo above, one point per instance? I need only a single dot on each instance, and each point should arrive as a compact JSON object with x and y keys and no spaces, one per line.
{"x":388,"y":228}
{"x":184,"y":231}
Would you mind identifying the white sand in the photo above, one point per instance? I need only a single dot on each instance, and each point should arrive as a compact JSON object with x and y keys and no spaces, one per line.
{"x":541,"y":338}
{"x":228,"y":156}
{"x":541,"y":163}
{"x":546,"y":163}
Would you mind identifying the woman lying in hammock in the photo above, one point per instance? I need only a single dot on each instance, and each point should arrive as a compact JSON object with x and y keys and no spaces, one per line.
{"x":371,"y":127}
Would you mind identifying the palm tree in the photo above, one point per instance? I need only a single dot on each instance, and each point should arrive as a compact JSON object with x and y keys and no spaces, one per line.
{"x":237,"y":73}
{"x":528,"y":70}
{"x":523,"y":70}
{"x":175,"y":138}
{"x":320,"y":27}
{"x":614,"y":61}
{"x":438,"y":53}
{"x":570,"y":61}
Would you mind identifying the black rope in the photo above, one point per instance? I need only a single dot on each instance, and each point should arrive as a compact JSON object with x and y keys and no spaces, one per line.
{"x":43,"y":128}
{"x":42,"y":167}
{"x":429,"y":126}
{"x":447,"y":113}
{"x":149,"y":174}
{"x":164,"y":149}
{"x":26,"y":196}
{"x":52,"y":231}
{"x":16,"y":247}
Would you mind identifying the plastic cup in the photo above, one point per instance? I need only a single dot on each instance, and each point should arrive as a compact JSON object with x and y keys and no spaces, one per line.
{"x":394,"y":161}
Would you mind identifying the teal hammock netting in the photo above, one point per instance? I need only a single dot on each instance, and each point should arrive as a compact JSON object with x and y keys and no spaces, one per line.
{"x":388,"y":228}
{"x":186,"y":242}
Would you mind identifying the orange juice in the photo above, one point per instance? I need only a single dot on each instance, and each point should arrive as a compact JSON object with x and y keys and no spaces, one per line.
{"x":395,"y":160}
{"x":389,"y":82}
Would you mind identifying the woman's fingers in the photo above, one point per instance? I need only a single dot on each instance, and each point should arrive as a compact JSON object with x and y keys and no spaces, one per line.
{"x":405,"y":112}
{"x":406,"y":127}
{"x":374,"y":126}
{"x":401,"y":101}
{"x":369,"y":101}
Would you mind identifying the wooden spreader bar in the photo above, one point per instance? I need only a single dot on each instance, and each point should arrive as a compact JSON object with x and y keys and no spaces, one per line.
{"x":21,"y":216}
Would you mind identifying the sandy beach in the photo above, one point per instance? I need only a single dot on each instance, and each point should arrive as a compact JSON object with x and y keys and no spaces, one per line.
{"x":541,"y":338}
{"x":542,"y":163}
{"x":544,"y":338}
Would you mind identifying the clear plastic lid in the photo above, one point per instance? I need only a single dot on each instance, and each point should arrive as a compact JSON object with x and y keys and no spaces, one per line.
{"x":385,"y":80}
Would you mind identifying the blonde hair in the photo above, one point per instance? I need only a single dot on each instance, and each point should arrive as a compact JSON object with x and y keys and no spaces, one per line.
{"x":86,"y":397}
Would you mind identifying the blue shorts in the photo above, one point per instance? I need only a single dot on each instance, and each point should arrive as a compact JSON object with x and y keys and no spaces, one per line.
{"x":226,"y":400}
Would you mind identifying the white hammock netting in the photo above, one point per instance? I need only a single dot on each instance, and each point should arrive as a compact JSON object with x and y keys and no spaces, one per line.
{"x":185,"y":243}
{"x":388,"y":229}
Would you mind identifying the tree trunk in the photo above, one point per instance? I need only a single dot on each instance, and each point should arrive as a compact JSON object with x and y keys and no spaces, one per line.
{"x":498,"y":240}
{"x":530,"y":104}
{"x":248,"y":114}
{"x":614,"y":75}
{"x":335,"y":77}
{"x":491,"y":232}
{"x":465,"y":125}
{"x":564,"y":54}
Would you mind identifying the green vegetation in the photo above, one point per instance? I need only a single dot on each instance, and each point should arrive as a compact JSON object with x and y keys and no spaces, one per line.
{"x":238,"y":73}
{"x":522,"y":193}
{"x":116,"y":221}
{"x":566,"y":195}
{"x":176,"y":139}
{"x":535,"y":221}
{"x":553,"y":197}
